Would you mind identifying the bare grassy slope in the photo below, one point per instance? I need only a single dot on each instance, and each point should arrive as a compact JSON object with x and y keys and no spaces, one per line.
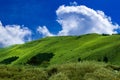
{"x":64,"y":49}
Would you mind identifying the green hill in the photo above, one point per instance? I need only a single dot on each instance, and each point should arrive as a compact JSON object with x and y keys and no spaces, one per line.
{"x":64,"y":49}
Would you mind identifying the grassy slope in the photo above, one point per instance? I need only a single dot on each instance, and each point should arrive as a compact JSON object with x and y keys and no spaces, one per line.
{"x":67,"y":49}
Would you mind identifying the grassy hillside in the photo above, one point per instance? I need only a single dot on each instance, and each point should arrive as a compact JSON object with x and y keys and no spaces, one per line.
{"x":64,"y":49}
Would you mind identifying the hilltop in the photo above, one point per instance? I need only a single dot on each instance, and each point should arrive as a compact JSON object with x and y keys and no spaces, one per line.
{"x":64,"y":49}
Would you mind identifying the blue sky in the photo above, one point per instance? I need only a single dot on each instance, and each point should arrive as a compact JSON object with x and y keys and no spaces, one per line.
{"x":34,"y":13}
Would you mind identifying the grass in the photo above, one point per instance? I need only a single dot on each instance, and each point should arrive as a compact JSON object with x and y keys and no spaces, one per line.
{"x":65,"y":49}
{"x":85,"y":57}
{"x":86,"y":70}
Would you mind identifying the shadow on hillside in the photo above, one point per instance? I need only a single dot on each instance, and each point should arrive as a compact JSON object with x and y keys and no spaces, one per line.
{"x":42,"y":58}
{"x":9,"y":60}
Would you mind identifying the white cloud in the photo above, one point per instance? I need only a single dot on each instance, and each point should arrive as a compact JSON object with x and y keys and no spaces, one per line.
{"x":13,"y":34}
{"x":73,"y":3}
{"x":44,"y":31}
{"x":76,"y":20}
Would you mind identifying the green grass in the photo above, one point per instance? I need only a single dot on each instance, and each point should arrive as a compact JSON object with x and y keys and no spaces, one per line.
{"x":63,"y":58}
{"x":65,"y":49}
{"x":86,"y":70}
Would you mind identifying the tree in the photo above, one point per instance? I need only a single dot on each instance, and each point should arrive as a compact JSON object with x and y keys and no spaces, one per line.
{"x":79,"y":59}
{"x":105,"y":59}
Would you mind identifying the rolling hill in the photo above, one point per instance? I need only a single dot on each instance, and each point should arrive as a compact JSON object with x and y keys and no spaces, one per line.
{"x":64,"y":49}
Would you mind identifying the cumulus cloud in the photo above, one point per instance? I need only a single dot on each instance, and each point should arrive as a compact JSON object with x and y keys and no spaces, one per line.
{"x":44,"y":31}
{"x":73,"y":3}
{"x":77,"y":20}
{"x":13,"y":34}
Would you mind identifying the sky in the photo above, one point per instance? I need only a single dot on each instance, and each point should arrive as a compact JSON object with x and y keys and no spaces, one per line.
{"x":26,"y":20}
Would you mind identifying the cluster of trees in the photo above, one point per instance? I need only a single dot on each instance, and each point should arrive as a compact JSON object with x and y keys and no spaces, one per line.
{"x":105,"y":59}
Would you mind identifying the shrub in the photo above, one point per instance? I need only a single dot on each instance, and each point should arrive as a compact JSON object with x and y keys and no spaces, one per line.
{"x":105,"y":34}
{"x":59,"y":76}
{"x":102,"y":74}
{"x":9,"y":60}
{"x":105,"y":59}
{"x":85,"y":70}
{"x":79,"y":59}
